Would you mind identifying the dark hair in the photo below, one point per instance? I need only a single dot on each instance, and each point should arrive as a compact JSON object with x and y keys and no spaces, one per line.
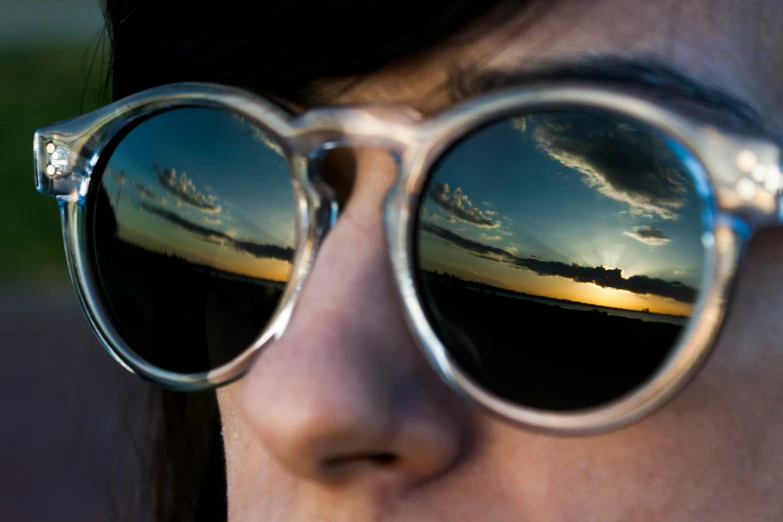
{"x":283,"y":49}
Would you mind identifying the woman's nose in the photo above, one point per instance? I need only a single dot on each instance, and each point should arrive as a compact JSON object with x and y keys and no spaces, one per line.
{"x":345,"y":393}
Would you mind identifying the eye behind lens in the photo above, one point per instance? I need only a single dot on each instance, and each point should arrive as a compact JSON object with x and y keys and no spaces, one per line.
{"x":559,"y":256}
{"x":192,"y":230}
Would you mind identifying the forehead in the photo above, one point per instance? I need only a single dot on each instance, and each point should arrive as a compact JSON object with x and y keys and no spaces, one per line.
{"x":731,"y":45}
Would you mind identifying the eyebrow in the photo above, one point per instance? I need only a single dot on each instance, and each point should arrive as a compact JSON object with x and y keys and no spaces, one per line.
{"x":645,"y":73}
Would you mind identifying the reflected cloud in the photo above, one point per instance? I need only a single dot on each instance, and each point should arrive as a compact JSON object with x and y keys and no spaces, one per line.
{"x":649,"y":235}
{"x":598,"y":275}
{"x":627,"y":164}
{"x":147,"y":193}
{"x":471,"y":246}
{"x":458,"y":205}
{"x":227,"y":238}
{"x":185,"y":190}
{"x":264,"y":138}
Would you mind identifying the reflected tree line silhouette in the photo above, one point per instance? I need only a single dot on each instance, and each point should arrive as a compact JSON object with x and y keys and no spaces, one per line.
{"x":543,"y":355}
{"x":177,"y":313}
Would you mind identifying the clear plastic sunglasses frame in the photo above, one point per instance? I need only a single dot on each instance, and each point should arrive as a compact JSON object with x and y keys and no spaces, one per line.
{"x":737,"y":176}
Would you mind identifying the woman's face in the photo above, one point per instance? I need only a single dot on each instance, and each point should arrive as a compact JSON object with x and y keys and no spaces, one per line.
{"x":343,"y":419}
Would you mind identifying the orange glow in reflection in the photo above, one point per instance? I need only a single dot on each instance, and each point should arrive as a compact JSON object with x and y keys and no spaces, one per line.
{"x":523,"y":281}
{"x":219,"y":257}
{"x":589,"y":293}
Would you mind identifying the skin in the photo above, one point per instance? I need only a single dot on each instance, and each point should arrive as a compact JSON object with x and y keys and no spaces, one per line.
{"x":346,"y":382}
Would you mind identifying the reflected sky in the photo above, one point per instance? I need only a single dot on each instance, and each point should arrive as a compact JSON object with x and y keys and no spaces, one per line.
{"x":208,"y":186}
{"x":578,"y":207}
{"x":573,"y":206}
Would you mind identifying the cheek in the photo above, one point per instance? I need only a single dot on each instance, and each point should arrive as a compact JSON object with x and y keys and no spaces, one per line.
{"x":257,"y":486}
{"x":712,"y":454}
{"x":723,"y":435}
{"x":746,"y":367}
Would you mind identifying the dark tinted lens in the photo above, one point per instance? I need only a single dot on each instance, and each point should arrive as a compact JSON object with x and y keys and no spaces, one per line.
{"x":192,"y":234}
{"x":560,"y":255}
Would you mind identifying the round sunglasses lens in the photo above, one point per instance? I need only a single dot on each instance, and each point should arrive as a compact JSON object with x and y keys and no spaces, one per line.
{"x":192,"y":223}
{"x":559,"y":256}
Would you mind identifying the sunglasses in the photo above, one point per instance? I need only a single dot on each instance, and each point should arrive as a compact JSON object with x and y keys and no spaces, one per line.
{"x":564,"y":254}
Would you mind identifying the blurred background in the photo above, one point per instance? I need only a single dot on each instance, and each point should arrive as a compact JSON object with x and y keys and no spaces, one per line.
{"x":71,"y":420}
{"x":50,"y":69}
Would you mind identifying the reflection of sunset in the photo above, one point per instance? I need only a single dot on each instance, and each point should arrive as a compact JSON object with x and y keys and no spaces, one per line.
{"x":193,"y":227}
{"x":557,"y":287}
{"x":272,"y":269}
{"x":582,"y":207}
{"x":201,"y":187}
{"x":174,"y":242}
{"x":560,"y":258}
{"x":589,"y":293}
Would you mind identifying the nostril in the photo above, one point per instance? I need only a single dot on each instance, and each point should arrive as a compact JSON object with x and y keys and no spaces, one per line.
{"x":384,"y":459}
{"x":381,"y":459}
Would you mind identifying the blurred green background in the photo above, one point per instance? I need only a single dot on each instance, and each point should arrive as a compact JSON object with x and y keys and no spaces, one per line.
{"x":71,"y":420}
{"x":52,"y":67}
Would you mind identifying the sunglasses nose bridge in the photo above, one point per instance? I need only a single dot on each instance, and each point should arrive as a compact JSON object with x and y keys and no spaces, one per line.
{"x":333,"y":158}
{"x":395,"y":129}
{"x":312,"y":171}
{"x":316,"y":199}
